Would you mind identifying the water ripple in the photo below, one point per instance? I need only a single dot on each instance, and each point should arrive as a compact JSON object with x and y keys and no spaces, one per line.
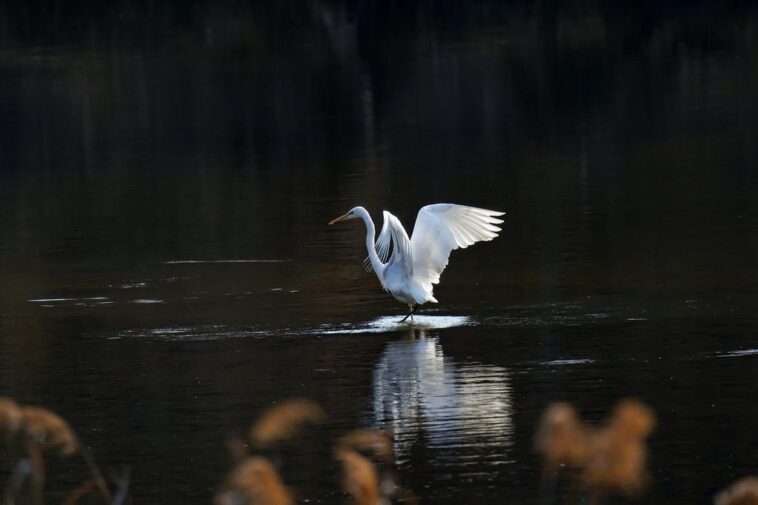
{"x":190,"y":333}
{"x":386,"y":324}
{"x":737,"y":354}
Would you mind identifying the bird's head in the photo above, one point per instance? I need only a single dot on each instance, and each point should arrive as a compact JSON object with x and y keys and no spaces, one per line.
{"x":353,"y":213}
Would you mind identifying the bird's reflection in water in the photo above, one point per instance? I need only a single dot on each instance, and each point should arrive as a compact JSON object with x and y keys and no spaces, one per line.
{"x":463,"y":409}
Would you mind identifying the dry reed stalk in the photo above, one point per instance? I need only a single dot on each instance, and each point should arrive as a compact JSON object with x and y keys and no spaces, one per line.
{"x":48,"y":430}
{"x":254,"y":482}
{"x":562,"y":438}
{"x":359,"y":477}
{"x":742,"y":492}
{"x":121,"y":495}
{"x":80,"y":492}
{"x":97,"y":475}
{"x":45,"y":429}
{"x":284,"y":420}
{"x":37,"y":461}
{"x":21,"y":472}
{"x":376,"y":442}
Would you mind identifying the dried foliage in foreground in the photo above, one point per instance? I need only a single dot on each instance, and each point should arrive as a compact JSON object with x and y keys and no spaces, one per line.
{"x":562,"y":438}
{"x":360,"y":479}
{"x":742,"y":492}
{"x":35,"y":430}
{"x":282,"y":421}
{"x":375,"y":442}
{"x":48,"y":430}
{"x":10,"y":416}
{"x":605,"y":460}
{"x":600,"y":460}
{"x":366,"y":456}
{"x":368,"y":471}
{"x":254,"y":481}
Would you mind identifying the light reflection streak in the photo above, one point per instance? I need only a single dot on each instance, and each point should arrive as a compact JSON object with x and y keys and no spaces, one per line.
{"x":420,"y":394}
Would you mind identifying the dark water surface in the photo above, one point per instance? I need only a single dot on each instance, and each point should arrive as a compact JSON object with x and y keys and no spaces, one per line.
{"x":166,"y":175}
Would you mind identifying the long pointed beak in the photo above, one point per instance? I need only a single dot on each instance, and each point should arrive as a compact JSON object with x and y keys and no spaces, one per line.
{"x":338,"y":219}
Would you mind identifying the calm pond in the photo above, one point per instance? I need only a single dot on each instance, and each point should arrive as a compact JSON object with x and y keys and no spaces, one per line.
{"x":167,"y":173}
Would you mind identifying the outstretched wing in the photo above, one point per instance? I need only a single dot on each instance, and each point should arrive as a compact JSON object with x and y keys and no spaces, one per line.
{"x":394,"y":239}
{"x":443,"y":227}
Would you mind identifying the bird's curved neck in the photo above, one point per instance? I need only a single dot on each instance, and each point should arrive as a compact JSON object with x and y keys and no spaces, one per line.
{"x":376,"y":263}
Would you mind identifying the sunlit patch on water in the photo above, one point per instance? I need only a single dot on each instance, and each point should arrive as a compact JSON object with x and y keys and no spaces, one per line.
{"x":394,"y":323}
{"x":189,"y":333}
{"x":737,"y":354}
{"x":148,"y":301}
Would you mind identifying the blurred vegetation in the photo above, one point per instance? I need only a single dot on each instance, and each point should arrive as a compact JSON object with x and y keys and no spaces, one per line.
{"x":602,"y":461}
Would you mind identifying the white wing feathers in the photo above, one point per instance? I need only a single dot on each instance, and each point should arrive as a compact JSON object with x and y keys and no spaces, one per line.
{"x":440,"y":229}
{"x":382,"y":245}
{"x":392,"y":234}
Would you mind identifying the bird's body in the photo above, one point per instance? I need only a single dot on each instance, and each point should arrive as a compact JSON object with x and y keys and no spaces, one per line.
{"x":403,"y":287}
{"x":409,"y":267}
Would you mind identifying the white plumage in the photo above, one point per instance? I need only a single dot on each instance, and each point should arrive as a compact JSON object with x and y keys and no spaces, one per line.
{"x":408,"y":267}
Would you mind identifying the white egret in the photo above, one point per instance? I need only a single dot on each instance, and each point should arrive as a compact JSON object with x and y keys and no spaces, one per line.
{"x":407,"y":267}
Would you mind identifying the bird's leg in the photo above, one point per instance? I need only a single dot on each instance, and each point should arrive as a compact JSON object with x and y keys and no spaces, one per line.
{"x":413,"y":310}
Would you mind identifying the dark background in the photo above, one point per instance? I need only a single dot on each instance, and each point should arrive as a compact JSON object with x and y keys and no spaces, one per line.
{"x":620,"y":137}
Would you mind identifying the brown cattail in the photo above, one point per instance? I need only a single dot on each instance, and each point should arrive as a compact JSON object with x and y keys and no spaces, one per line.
{"x":254,"y":482}
{"x":10,"y":416}
{"x":742,"y":492}
{"x":376,"y":442}
{"x":610,"y":459}
{"x":48,"y":430}
{"x":632,"y":419}
{"x":284,"y":420}
{"x":359,"y":477}
{"x":562,"y":438}
{"x":615,"y":465}
{"x":618,"y":453}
